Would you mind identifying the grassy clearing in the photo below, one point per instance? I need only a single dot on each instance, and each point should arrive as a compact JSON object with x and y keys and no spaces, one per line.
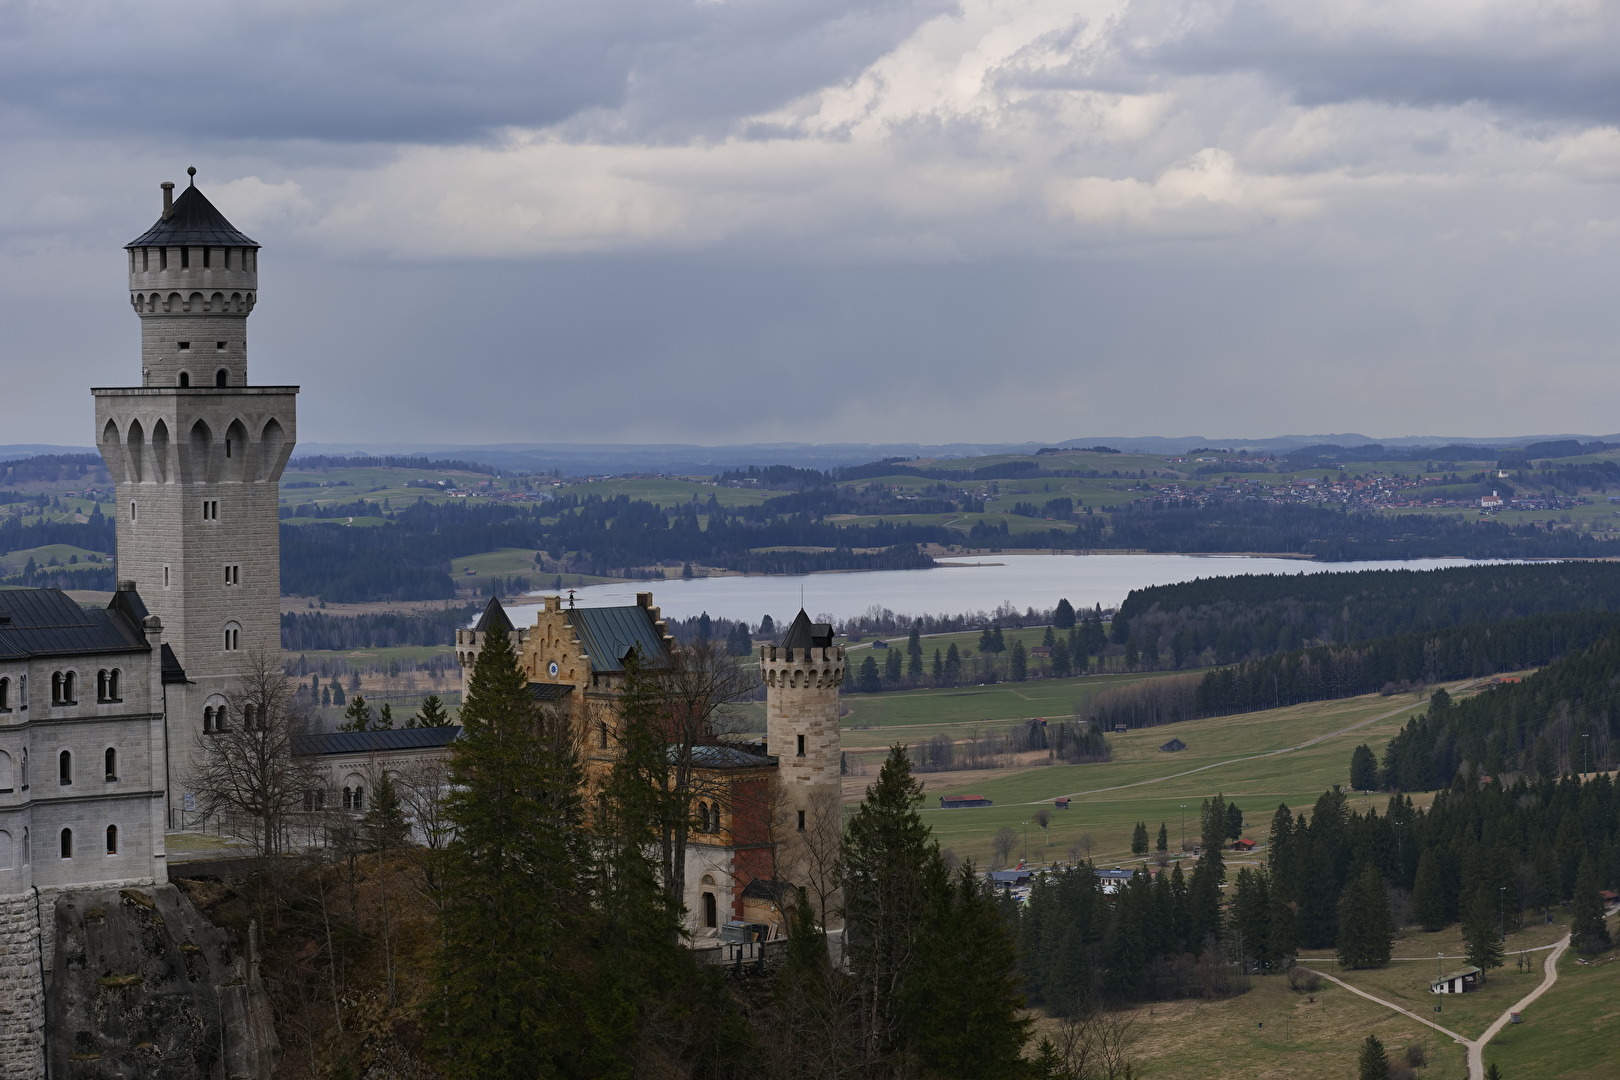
{"x":1246,"y":757}
{"x":499,"y":561}
{"x":13,"y":562}
{"x":669,"y":492}
{"x":1569,"y":1031}
{"x":965,"y":705}
{"x":1273,"y":1033}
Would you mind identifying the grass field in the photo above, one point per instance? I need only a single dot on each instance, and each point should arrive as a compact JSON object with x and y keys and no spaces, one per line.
{"x":1247,"y":757}
{"x":1570,"y":1032}
{"x":668,"y":491}
{"x":13,"y":562}
{"x":1274,"y":1033}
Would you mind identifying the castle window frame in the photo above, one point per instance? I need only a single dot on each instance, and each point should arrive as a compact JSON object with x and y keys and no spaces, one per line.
{"x":206,"y":259}
{"x":163,"y":258}
{"x":210,"y":509}
{"x":63,"y":688}
{"x":5,"y":695}
{"x":233,"y":574}
{"x":112,"y":840}
{"x":107,"y":685}
{"x":184,"y":345}
{"x":145,"y":264}
{"x":132,"y":510}
{"x":67,"y":843}
{"x":233,"y":636}
{"x":185,"y":257}
{"x":219,"y":346}
{"x":185,"y":379}
{"x":223,"y":378}
{"x":801,"y":821}
{"x":110,"y":760}
{"x":165,"y":577}
{"x":801,"y":747}
{"x":64,"y":769}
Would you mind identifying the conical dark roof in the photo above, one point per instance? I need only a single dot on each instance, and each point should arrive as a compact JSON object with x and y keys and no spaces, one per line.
{"x":494,"y":619}
{"x":804,"y":634}
{"x":193,"y":222}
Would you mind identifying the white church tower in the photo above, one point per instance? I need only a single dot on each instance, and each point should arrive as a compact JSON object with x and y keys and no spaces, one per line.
{"x":197,"y":453}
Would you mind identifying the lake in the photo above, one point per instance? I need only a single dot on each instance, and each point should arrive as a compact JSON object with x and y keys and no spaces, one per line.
{"x":976,"y":583}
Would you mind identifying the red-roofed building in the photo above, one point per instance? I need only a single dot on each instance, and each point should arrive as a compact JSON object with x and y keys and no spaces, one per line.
{"x":1243,"y":845}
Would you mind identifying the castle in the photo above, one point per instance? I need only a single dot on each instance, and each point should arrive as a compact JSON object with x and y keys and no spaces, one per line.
{"x":104,"y":711}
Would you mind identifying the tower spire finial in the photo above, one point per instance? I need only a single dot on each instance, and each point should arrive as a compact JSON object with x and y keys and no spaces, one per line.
{"x":191,"y":171}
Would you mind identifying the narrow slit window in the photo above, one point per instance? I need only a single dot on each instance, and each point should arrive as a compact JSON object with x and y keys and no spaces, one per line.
{"x":801,"y":746}
{"x":206,"y":260}
{"x":67,"y":843}
{"x":112,"y":764}
{"x":112,"y":839}
{"x":801,"y":821}
{"x":185,"y":258}
{"x":64,"y":768}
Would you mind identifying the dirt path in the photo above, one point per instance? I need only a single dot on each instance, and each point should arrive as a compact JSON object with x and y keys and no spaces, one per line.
{"x":1475,"y":1047}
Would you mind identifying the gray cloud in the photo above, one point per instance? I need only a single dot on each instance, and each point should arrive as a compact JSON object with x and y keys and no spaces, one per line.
{"x":427,"y":71}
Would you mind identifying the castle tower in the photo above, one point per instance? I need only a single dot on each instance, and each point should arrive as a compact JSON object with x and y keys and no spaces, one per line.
{"x":197,"y":454}
{"x":802,"y":676}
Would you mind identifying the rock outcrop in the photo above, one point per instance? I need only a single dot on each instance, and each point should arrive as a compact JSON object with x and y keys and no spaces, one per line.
{"x":142,"y":985}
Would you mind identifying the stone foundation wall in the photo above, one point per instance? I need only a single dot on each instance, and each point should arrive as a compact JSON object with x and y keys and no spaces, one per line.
{"x":22,"y":993}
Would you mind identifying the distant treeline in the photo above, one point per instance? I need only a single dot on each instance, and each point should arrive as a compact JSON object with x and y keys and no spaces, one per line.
{"x":1560,"y":720}
{"x":323,"y":462}
{"x":316,"y":630}
{"x":1326,"y":672}
{"x":1508,"y":455}
{"x":1222,"y":620}
{"x":97,"y":534}
{"x":48,"y":468}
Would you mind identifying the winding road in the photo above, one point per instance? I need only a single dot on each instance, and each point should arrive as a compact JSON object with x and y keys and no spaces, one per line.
{"x":1475,"y":1047}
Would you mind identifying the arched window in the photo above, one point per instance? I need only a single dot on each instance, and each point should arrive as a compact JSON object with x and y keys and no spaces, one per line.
{"x":5,"y":695}
{"x":233,"y":636}
{"x":711,"y":911}
{"x":25,"y":850}
{"x":8,"y":857}
{"x":219,"y":377}
{"x":359,"y":798}
{"x":208,"y":720}
{"x":703,"y":817}
{"x":112,"y":764}
{"x":67,"y":843}
{"x":69,"y":689}
{"x":219,"y":718}
{"x":112,"y":686}
{"x":112,"y":839}
{"x":24,"y":769}
{"x":185,"y":379}
{"x":348,"y":798}
{"x":64,"y":767}
{"x":56,"y":688}
{"x":5,"y":773}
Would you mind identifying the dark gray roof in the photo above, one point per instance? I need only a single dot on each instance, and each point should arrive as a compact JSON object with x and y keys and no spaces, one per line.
{"x":368,"y":742}
{"x":764,"y":889}
{"x":172,"y":671}
{"x":804,"y":634}
{"x":47,"y":622}
{"x":728,"y":757}
{"x":550,"y":691}
{"x":194,"y":222}
{"x":610,"y":634}
{"x":494,"y":619}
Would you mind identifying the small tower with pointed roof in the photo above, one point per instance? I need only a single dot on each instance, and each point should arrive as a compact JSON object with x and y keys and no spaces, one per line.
{"x":196,"y":454}
{"x":802,"y":677}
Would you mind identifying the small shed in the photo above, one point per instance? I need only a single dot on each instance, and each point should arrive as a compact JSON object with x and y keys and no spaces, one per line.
{"x":1120,"y":729}
{"x":1061,"y":802}
{"x":957,"y":802}
{"x":1173,"y":746}
{"x":879,"y":643}
{"x":1460,"y":981}
{"x":1008,"y":879}
{"x":1244,"y":844}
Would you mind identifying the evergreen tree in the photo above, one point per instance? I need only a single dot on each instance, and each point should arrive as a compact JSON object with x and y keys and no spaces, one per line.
{"x":1060,"y":660}
{"x":357,"y":717}
{"x":869,"y":681}
{"x":1363,"y":768}
{"x":1366,"y":932}
{"x":914,"y":639}
{"x":1280,"y":859}
{"x":1482,"y":938}
{"x":1139,"y":839}
{"x":960,"y":1002}
{"x":1282,"y":932}
{"x":1164,"y":838}
{"x":385,"y":824}
{"x":892,"y":874}
{"x":1251,"y":915}
{"x":998,"y":644}
{"x":914,"y":666}
{"x":385,"y":717}
{"x":892,"y":671}
{"x":1374,"y":1061}
{"x":1493,"y":1072}
{"x":1234,"y":822}
{"x":1018,"y":662}
{"x":767,"y":626}
{"x":1428,"y":894}
{"x":1318,"y":896}
{"x":509,"y":982}
{"x":1587,"y":927}
{"x":1063,"y":617}
{"x":337,"y":694}
{"x":953,"y":664}
{"x":939,"y":666}
{"x":431,"y":713}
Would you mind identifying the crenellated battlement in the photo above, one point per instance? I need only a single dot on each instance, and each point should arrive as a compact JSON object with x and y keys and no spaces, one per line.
{"x":812,"y":668}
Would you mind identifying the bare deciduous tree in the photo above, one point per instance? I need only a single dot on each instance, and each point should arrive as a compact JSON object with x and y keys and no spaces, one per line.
{"x":246,"y":773}
{"x":1003,"y":842}
{"x":1096,"y":1045}
{"x":1080,"y":850}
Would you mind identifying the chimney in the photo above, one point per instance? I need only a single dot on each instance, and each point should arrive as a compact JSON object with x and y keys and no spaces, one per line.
{"x":168,"y":199}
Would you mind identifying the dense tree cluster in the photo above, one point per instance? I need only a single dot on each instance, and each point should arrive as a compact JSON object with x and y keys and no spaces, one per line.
{"x":302,"y":630}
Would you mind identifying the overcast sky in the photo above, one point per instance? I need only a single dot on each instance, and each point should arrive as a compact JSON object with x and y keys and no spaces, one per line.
{"x":837,"y":220}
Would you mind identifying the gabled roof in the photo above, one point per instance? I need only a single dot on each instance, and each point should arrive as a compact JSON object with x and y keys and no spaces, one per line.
{"x":494,"y":619}
{"x":172,"y":671}
{"x":193,"y":221}
{"x":550,"y":691}
{"x":727,"y":757}
{"x":610,"y":634}
{"x":47,"y":622}
{"x":764,"y":889}
{"x":368,"y":742}
{"x":804,"y":634}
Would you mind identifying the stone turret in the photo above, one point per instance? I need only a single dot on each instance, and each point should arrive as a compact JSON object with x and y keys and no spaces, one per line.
{"x":197,"y":456}
{"x":802,"y":676}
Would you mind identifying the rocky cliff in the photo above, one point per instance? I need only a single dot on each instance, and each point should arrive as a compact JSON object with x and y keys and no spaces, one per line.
{"x":142,"y":985}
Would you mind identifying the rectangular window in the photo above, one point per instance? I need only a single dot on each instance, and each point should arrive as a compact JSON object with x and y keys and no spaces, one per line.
{"x":144,"y":266}
{"x":185,"y":344}
{"x":163,"y":258}
{"x":210,"y":510}
{"x":801,"y":821}
{"x":801,"y":746}
{"x":220,"y":346}
{"x":165,"y":577}
{"x":227,"y":252}
{"x":233,"y":574}
{"x":132,"y":510}
{"x":185,"y":258}
{"x":206,"y":250}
